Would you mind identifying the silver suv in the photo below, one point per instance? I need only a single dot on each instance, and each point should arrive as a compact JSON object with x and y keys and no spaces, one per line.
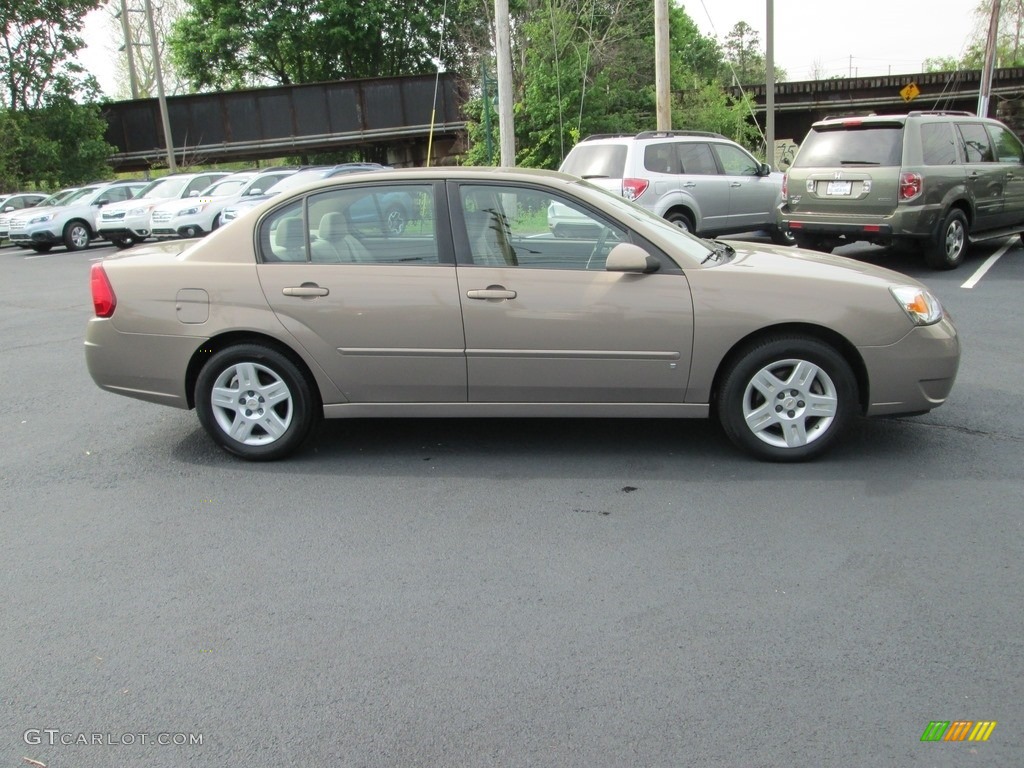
{"x":933,"y":181}
{"x":71,"y":223}
{"x":701,"y":182}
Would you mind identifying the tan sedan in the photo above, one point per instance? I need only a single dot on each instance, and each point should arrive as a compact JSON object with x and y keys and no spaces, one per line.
{"x":310,"y":305}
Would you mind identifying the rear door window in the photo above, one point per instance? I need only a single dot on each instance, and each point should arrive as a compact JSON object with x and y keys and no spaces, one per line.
{"x":976,"y":143}
{"x":696,"y":158}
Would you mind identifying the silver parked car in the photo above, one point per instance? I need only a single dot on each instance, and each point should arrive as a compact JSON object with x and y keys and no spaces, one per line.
{"x":311,"y":306}
{"x":701,"y":182}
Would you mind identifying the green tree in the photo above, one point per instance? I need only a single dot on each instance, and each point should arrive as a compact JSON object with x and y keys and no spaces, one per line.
{"x":52,"y":127}
{"x":41,"y":39}
{"x":1009,"y":40}
{"x":745,"y":62}
{"x":216,"y":44}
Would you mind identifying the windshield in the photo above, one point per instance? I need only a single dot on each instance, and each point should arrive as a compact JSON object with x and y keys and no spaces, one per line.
{"x":57,"y":198}
{"x":223,"y":188}
{"x":162,"y":189}
{"x":689,"y":245}
{"x":81,"y":194}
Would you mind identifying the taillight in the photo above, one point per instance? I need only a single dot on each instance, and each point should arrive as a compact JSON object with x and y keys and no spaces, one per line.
{"x":911,"y":185}
{"x":103,"y":299}
{"x":633,"y":188}
{"x":785,"y":186}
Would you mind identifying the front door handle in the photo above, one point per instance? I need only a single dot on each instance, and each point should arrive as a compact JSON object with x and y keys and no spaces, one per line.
{"x":491,"y":292}
{"x":306,"y":290}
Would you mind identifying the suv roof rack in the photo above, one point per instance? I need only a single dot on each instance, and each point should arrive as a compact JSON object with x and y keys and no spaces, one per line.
{"x":955,"y":112}
{"x":608,"y":136}
{"x":665,"y":134}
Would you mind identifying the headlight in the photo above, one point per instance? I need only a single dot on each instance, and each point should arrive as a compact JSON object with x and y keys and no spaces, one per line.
{"x":191,"y":211}
{"x":40,"y":219}
{"x":919,"y":304}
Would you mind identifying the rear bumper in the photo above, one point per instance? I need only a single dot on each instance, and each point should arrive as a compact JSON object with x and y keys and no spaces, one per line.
{"x":143,"y":366}
{"x":908,"y":222}
{"x":931,"y":352}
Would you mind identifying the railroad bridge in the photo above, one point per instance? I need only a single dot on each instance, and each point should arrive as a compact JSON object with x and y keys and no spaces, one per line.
{"x":395,"y":119}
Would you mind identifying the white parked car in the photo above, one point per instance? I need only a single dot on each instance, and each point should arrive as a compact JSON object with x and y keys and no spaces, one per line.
{"x":201,"y":215}
{"x":71,"y":223}
{"x":125,"y":224}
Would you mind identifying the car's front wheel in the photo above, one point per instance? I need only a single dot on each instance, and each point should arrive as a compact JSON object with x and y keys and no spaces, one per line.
{"x":787,"y":398}
{"x":123,"y":242}
{"x":77,"y":236}
{"x":947,"y":249}
{"x":41,"y":247}
{"x":255,"y":402}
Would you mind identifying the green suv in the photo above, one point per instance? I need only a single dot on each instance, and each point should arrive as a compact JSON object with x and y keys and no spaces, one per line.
{"x":933,"y":181}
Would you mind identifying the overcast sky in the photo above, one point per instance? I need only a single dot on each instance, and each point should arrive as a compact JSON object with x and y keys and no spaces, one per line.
{"x":847,"y":37}
{"x":836,"y":37}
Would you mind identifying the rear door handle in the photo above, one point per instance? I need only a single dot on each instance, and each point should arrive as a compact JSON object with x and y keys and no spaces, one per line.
{"x":306,"y":290}
{"x":689,"y":184}
{"x":491,"y":292}
{"x":736,"y":184}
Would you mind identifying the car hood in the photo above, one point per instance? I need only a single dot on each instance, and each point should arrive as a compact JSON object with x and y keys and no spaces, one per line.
{"x":781,"y":261}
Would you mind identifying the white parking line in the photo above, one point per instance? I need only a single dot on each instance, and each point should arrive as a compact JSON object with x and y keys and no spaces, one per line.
{"x":989,"y":262}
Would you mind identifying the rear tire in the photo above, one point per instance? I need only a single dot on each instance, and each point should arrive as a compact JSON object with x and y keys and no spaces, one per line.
{"x":255,"y":402}
{"x":812,"y":243}
{"x":787,"y":398}
{"x":948,"y":248}
{"x":681,"y":219}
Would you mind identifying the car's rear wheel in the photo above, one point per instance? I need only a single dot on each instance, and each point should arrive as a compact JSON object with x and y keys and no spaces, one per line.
{"x":681,"y":219}
{"x":787,"y":398}
{"x":948,"y":248}
{"x":812,"y":243}
{"x":781,"y":236}
{"x":76,"y":235}
{"x":255,"y":402}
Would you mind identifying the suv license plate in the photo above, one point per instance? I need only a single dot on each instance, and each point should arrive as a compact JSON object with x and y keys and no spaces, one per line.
{"x":839,"y":188}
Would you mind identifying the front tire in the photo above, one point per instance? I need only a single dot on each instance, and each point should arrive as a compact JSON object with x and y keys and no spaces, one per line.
{"x":787,"y":398}
{"x":77,"y":236}
{"x":255,"y":402}
{"x":948,"y":248}
{"x":41,"y":247}
{"x":123,"y":242}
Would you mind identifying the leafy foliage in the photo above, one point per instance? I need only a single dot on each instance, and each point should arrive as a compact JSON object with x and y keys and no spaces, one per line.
{"x":50,"y":138}
{"x":259,"y":42}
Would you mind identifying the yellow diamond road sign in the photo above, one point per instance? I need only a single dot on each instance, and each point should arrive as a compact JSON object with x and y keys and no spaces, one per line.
{"x":910,"y":92}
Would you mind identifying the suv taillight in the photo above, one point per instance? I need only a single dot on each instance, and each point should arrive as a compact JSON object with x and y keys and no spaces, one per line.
{"x":633,"y":188}
{"x":103,"y":299}
{"x":911,"y":185}
{"x":785,"y":186}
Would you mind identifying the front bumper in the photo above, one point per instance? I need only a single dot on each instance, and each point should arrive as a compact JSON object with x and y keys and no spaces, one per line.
{"x":36,"y":236}
{"x":916,"y":373}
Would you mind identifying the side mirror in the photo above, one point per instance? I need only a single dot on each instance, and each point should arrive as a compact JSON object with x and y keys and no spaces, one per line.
{"x":626,"y":257}
{"x":194,"y":193}
{"x":766,"y":170}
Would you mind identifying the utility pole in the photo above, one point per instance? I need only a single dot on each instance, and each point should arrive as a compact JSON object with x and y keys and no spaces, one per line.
{"x":990,"y":60}
{"x":769,"y":86}
{"x":172,"y":166}
{"x":506,"y":125}
{"x":661,"y":66}
{"x":129,"y":49}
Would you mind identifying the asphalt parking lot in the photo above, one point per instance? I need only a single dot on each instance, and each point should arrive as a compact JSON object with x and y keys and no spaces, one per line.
{"x":502,"y":593}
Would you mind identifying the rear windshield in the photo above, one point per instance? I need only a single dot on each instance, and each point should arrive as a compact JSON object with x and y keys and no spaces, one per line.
{"x":596,"y":161}
{"x":852,"y":145}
